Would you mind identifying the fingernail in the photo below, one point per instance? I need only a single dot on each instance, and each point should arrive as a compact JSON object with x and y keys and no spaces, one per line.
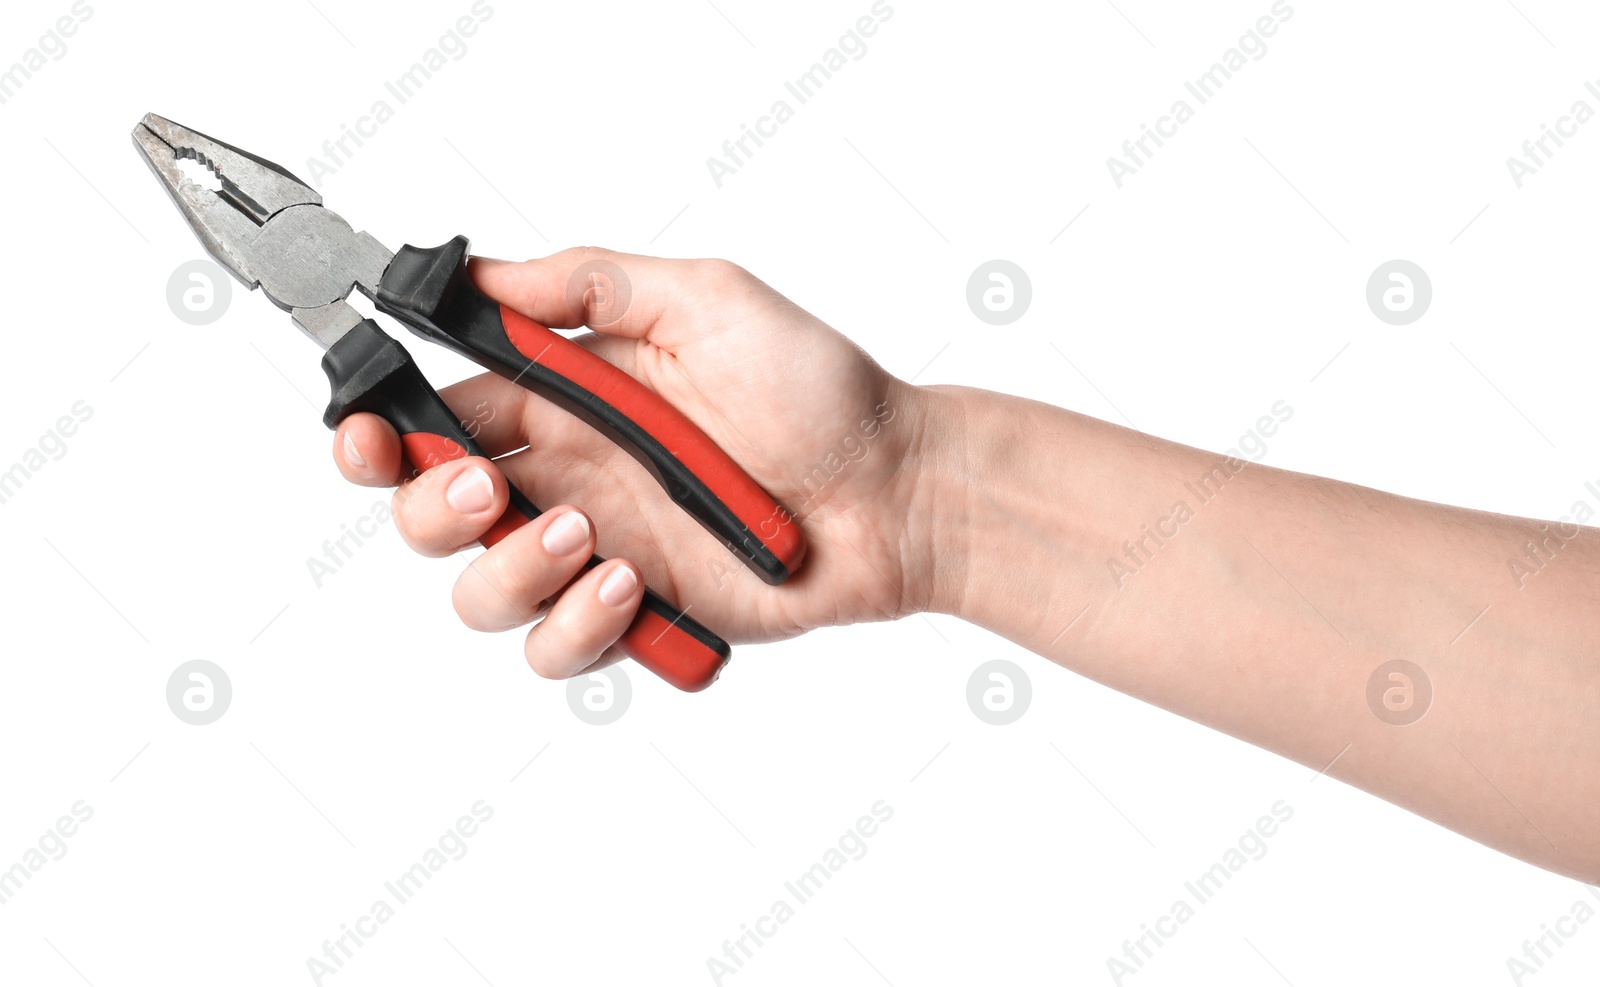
{"x":617,"y":587}
{"x":567,"y":533}
{"x":352,"y":454}
{"x":470,"y":492}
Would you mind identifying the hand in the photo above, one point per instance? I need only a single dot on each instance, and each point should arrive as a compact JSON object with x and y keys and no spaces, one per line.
{"x":803,"y":410}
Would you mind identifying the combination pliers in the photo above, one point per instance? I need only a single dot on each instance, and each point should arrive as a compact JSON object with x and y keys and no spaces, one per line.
{"x":270,"y":230}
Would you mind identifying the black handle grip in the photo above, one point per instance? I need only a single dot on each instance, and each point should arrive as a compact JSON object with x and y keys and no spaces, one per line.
{"x":430,"y":291}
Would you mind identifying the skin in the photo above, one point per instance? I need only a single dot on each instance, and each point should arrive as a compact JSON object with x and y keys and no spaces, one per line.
{"x":1265,"y":614}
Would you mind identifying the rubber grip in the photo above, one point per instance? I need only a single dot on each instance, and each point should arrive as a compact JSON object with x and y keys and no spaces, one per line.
{"x":369,"y":371}
{"x":430,"y":291}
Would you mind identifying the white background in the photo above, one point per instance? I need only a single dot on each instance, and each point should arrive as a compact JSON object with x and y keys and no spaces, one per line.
{"x":1223,"y":277}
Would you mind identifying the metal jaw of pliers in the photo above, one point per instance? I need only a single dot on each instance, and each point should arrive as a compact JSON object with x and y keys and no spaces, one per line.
{"x":270,"y":230}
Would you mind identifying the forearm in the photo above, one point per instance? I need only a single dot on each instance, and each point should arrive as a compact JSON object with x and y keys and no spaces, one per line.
{"x":1261,"y":602}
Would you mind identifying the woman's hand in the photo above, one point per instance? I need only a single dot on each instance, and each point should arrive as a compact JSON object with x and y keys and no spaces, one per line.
{"x":803,"y":410}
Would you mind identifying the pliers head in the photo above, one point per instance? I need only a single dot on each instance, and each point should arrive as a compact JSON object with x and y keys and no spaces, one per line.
{"x":267,"y":227}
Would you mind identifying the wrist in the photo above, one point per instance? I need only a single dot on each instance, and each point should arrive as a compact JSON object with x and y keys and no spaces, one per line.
{"x":983,"y":507}
{"x":936,"y":540}
{"x":1014,"y":499}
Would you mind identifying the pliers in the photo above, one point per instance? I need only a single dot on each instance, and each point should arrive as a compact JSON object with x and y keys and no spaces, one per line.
{"x":270,"y":230}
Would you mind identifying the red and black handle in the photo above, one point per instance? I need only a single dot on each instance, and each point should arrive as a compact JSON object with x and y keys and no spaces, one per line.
{"x":431,"y":292}
{"x":369,"y":371}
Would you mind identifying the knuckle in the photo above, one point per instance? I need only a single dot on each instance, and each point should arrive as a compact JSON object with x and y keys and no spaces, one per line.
{"x":405,"y":518}
{"x":577,"y":255}
{"x":719,"y":273}
{"x":521,"y":576}
{"x":411,"y":521}
{"x":516,"y":581}
{"x":468,"y":607}
{"x":544,"y":652}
